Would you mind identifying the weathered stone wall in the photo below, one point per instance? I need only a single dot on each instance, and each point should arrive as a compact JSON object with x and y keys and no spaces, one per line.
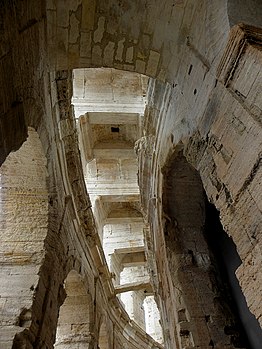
{"x":46,"y":103}
{"x":75,"y":322}
{"x":223,"y":142}
{"x":199,"y":290}
{"x":24,"y":225}
{"x":70,"y":240}
{"x":144,"y":37}
{"x":234,"y":148}
{"x":182,"y":44}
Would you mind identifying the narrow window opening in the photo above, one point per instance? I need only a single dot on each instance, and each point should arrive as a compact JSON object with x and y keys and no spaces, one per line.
{"x":190,"y":69}
{"x":75,"y":314}
{"x":115,"y":129}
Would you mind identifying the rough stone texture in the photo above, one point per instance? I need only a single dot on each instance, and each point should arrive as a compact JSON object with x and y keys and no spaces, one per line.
{"x":24,"y":212}
{"x":225,"y":141}
{"x":74,"y":328}
{"x":208,"y":104}
{"x":108,"y":129}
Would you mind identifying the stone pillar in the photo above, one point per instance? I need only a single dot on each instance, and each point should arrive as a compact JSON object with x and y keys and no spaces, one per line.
{"x":75,"y":317}
{"x":152,"y":319}
{"x":133,"y":302}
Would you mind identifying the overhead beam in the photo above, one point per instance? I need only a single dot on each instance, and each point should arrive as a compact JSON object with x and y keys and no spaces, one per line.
{"x":134,"y":286}
{"x":126,"y":250}
{"x":119,"y":220}
{"x":121,"y":153}
{"x":108,"y":188}
{"x":113,"y":118}
{"x":84,"y":106}
{"x":120,"y":198}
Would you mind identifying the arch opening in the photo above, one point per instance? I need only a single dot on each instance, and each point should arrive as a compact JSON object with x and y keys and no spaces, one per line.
{"x":75,"y":321}
{"x":211,"y":308}
{"x":109,"y":107}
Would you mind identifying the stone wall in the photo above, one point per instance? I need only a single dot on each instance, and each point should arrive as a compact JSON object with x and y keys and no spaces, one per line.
{"x":69,"y":241}
{"x":24,"y":225}
{"x":224,"y":144}
{"x":211,"y":108}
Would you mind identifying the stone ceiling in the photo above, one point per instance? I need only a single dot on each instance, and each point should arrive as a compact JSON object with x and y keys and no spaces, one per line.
{"x":109,"y":108}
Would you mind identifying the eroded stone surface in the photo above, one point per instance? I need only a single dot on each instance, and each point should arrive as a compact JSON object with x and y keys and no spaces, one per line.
{"x":210,"y":108}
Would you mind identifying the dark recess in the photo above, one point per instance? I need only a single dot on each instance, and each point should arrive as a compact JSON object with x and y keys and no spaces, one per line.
{"x":246,"y":332}
{"x":115,"y":129}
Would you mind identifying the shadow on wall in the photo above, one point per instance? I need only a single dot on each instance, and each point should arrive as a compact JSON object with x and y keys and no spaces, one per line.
{"x":243,"y":11}
{"x":228,"y":260}
{"x":196,"y":244}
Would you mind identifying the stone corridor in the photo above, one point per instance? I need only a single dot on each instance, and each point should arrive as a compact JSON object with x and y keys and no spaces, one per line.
{"x":130,"y":179}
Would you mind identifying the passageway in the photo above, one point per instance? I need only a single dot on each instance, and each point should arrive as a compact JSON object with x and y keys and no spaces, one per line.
{"x":227,"y":259}
{"x":109,"y":106}
{"x":204,"y":260}
{"x":162,"y":241}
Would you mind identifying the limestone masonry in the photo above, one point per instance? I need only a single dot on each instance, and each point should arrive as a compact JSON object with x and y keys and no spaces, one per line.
{"x":131,"y":178}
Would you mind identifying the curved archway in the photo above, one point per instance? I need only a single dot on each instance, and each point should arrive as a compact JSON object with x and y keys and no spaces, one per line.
{"x":142,"y":37}
{"x":75,"y":322}
{"x":203,"y":260}
{"x":144,"y":54}
{"x":24,"y":225}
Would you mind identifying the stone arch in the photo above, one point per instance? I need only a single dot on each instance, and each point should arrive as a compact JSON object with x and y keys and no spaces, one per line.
{"x":76,"y":318}
{"x":141,"y":37}
{"x":203,"y":261}
{"x":188,"y":256}
{"x":24,"y":226}
{"x":247,"y":12}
